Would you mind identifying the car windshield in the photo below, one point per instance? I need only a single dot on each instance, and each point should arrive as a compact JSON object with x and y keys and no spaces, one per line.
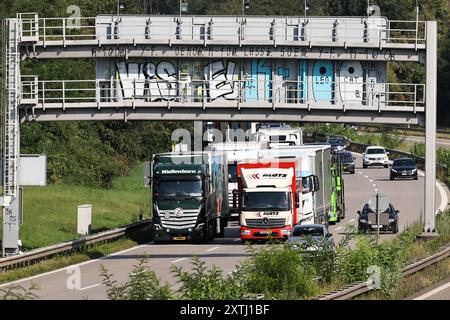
{"x":345,"y":156}
{"x":232,"y":173}
{"x":367,"y":209}
{"x":375,"y":151}
{"x":266,"y":200}
{"x":307,"y":231}
{"x":404,"y":163}
{"x":335,"y":141}
{"x":165,"y":188}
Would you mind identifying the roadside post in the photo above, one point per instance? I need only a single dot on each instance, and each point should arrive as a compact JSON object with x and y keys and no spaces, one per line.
{"x":378,"y":203}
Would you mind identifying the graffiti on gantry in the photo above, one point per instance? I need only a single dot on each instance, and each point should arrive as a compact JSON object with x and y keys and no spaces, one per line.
{"x":147,"y":80}
{"x":220,"y":81}
{"x":159,"y":81}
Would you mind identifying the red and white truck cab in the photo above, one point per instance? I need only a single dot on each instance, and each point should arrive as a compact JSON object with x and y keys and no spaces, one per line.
{"x":268,"y":200}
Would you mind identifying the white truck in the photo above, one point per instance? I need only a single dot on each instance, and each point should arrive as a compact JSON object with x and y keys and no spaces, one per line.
{"x":268,"y":200}
{"x":236,"y":152}
{"x":283,"y":135}
{"x":315,"y":175}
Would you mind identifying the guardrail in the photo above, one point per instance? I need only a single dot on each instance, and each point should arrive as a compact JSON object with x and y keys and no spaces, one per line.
{"x":362,"y":287}
{"x":80,"y":244}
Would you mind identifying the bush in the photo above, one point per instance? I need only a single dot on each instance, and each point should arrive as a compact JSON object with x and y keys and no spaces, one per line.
{"x":391,"y":141}
{"x":142,"y":285}
{"x":278,"y":273}
{"x":19,"y":293}
{"x":203,"y":284}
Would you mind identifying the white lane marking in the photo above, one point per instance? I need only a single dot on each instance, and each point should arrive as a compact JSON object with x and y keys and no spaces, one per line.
{"x":90,"y":287}
{"x":370,"y":180}
{"x":178,"y":260}
{"x":352,"y":220}
{"x":359,"y":172}
{"x":212,"y":249}
{"x":376,"y":190}
{"x":74,"y":265}
{"x":374,"y":185}
{"x":337,"y":229}
{"x":433,"y":292}
{"x":366,"y":176}
{"x":444,"y":198}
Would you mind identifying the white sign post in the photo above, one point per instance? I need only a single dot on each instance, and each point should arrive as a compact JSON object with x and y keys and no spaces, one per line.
{"x":378,"y":203}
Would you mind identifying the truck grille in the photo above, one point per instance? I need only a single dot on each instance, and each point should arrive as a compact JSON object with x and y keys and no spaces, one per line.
{"x":266,"y":223}
{"x":171,"y":221}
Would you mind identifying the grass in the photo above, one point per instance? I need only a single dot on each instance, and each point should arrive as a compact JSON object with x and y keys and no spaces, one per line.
{"x":64,"y":260}
{"x":50,"y":213}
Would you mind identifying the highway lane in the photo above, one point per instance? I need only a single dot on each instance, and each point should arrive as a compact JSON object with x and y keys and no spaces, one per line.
{"x":226,"y":253}
{"x":439,"y":291}
{"x":445,"y":143}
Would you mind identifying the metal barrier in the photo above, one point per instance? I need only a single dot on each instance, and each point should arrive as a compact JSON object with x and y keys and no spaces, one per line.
{"x":342,"y":31}
{"x":232,"y":93}
{"x":37,"y":255}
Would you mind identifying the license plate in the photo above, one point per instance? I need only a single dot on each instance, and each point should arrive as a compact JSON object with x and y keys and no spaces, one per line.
{"x":377,"y":227}
{"x":179,"y":238}
{"x":404,"y":174}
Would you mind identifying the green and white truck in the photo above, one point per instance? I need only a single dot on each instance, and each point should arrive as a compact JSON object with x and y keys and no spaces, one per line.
{"x":189,"y":196}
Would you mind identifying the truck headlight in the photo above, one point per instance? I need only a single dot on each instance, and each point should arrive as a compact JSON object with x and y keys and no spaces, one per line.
{"x":363,"y":221}
{"x":246,"y":232}
{"x":157,"y":227}
{"x":285,"y":232}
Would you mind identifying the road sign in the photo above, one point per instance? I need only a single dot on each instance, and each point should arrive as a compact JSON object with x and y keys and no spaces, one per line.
{"x":383,"y":203}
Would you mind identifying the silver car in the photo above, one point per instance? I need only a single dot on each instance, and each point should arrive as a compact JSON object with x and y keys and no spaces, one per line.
{"x":310,"y":238}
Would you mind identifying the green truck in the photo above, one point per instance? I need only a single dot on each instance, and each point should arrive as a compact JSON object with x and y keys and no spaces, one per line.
{"x":189,"y":195}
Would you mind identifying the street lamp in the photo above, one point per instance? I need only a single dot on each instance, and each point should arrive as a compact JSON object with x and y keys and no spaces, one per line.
{"x":245,"y":5}
{"x":183,"y":6}
{"x":306,"y":6}
{"x":120,"y":5}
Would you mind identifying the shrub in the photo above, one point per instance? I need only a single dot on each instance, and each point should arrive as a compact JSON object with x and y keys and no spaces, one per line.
{"x":19,"y":293}
{"x":278,"y":273}
{"x":141,"y":285}
{"x":204,"y":284}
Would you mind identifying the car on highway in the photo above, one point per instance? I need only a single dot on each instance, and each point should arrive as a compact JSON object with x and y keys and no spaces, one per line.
{"x":403,"y":168}
{"x":336,"y":143}
{"x":387,"y":221}
{"x":375,"y":156}
{"x":348,"y":161}
{"x":310,"y":238}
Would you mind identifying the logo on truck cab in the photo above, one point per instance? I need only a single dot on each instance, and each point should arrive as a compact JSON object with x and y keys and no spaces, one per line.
{"x":267,"y":213}
{"x":267,"y":176}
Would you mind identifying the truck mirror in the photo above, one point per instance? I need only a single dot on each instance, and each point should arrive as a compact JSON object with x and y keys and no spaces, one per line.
{"x":148,"y":173}
{"x":297,"y":199}
{"x":358,"y":212}
{"x":316,"y":183}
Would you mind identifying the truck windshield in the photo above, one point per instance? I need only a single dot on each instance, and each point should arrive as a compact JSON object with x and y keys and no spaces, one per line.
{"x":232,"y":173}
{"x":170,"y":188}
{"x":266,"y":201}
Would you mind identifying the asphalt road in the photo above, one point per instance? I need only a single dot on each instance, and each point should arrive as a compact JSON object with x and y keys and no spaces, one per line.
{"x":440,"y":291}
{"x":83,"y":281}
{"x":445,"y":143}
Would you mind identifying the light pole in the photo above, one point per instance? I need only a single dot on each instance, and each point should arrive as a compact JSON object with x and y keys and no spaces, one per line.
{"x":120,"y":5}
{"x":245,"y":5}
{"x":306,"y":7}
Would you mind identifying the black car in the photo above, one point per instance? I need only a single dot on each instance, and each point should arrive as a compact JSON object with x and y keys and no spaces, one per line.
{"x":387,"y":220}
{"x":403,"y":168}
{"x":336,"y":143}
{"x":347,"y":159}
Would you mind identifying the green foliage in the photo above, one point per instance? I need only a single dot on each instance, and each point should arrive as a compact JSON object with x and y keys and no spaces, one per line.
{"x":208,"y":284}
{"x":141,"y":285}
{"x":278,"y":272}
{"x":19,"y":293}
{"x":391,"y":141}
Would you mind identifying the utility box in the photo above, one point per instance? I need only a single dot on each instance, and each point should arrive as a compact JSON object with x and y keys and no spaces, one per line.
{"x":84,"y":219}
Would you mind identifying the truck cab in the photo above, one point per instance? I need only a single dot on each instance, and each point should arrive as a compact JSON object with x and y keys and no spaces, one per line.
{"x":268,"y":200}
{"x":189,"y":196}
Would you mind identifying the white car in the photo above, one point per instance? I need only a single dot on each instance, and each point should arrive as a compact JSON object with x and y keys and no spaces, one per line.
{"x":375,"y":156}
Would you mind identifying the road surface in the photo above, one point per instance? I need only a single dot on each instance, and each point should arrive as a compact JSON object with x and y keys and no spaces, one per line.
{"x":407,"y":196}
{"x":439,"y":291}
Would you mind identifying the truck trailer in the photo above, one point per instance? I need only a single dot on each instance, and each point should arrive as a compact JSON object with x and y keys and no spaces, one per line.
{"x":268,"y":200}
{"x":189,"y":196}
{"x":236,"y":152}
